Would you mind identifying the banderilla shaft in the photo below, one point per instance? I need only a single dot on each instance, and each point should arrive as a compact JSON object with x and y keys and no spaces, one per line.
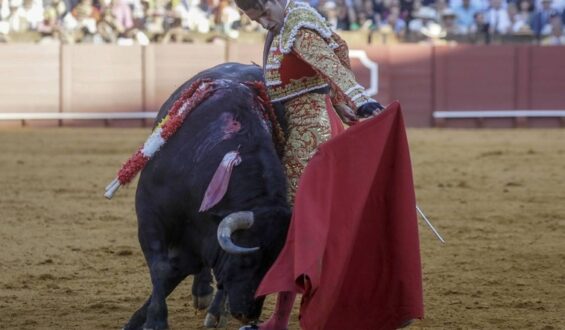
{"x":430,"y":224}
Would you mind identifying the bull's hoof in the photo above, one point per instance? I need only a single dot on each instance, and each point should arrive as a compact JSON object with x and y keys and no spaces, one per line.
{"x":158,"y":326}
{"x":213,"y":322}
{"x":203,"y":302}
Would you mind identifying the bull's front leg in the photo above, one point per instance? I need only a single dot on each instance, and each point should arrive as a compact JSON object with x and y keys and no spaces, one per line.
{"x":153,"y":314}
{"x":217,"y":315}
{"x":168,"y":266}
{"x":156,"y":311}
{"x":202,"y":290}
{"x":165,"y":276}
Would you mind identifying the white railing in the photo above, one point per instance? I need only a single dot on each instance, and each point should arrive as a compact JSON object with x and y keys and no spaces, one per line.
{"x":498,"y":114}
{"x":76,"y":115}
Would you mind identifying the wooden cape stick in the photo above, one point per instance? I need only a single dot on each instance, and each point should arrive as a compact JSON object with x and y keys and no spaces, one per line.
{"x":430,"y":224}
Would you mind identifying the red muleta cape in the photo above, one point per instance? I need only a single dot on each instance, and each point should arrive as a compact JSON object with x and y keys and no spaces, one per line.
{"x":352,"y":248}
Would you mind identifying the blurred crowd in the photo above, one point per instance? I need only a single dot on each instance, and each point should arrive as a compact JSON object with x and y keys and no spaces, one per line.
{"x":463,"y":20}
{"x":164,"y":21}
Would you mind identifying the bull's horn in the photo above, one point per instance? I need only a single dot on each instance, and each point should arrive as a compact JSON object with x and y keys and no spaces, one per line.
{"x":231,"y":223}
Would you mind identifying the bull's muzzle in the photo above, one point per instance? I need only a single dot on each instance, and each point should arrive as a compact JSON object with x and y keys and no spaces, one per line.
{"x":235,"y":221}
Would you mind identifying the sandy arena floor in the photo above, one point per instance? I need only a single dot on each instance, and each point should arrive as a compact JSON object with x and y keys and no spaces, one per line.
{"x":69,"y":259}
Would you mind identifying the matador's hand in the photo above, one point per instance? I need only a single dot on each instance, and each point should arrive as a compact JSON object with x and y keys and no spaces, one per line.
{"x":369,"y":109}
{"x":345,"y":113}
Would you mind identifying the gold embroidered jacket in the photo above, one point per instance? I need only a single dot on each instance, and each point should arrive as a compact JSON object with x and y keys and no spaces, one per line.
{"x":307,"y":55}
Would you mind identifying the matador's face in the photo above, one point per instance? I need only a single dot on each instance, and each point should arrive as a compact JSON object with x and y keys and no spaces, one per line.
{"x":270,"y":15}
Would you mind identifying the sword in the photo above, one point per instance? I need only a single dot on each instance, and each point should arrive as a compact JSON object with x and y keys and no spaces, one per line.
{"x":430,"y":224}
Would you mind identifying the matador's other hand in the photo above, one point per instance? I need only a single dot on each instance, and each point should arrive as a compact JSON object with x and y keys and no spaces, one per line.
{"x":369,"y":109}
{"x":345,"y":113}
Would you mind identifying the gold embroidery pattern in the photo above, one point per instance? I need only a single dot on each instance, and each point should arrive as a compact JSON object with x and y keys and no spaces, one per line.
{"x":272,"y":78}
{"x":296,"y":87}
{"x":342,"y":51}
{"x":308,"y":127}
{"x":300,"y":16}
{"x":272,"y":69}
{"x":313,"y":49}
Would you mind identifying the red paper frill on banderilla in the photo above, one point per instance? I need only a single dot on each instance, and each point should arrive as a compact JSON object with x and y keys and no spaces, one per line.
{"x":352,"y":248}
{"x":132,"y":166}
{"x":189,"y":99}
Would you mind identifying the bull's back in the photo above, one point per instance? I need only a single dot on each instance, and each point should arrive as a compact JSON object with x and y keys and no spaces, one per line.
{"x":182,"y":170}
{"x":230,"y":71}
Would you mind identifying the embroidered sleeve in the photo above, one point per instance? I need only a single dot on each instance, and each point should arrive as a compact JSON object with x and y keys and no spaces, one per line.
{"x":313,"y":49}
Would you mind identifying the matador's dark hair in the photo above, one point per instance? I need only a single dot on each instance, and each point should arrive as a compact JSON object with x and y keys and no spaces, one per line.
{"x":251,"y":4}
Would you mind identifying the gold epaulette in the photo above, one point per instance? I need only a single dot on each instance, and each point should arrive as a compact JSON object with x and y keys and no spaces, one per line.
{"x":302,"y":16}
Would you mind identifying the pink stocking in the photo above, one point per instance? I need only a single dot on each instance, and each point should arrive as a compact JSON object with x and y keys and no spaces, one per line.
{"x":283,"y":308}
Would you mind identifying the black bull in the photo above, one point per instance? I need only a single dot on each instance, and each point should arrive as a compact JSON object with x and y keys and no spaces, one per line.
{"x":178,"y":240}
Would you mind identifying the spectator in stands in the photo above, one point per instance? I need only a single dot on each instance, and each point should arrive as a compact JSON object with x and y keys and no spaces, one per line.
{"x":379,"y":10}
{"x":86,"y":17}
{"x":194,"y":17}
{"x":4,"y":10}
{"x":364,"y":21}
{"x":50,"y":29}
{"x":352,"y":15}
{"x":227,"y":18}
{"x":523,"y":19}
{"x":25,"y":16}
{"x":440,"y":6}
{"x":541,"y":18}
{"x":33,"y":13}
{"x":329,"y":11}
{"x":176,"y":34}
{"x":423,"y":17}
{"x":15,"y":14}
{"x":122,"y":13}
{"x":395,"y":23}
{"x":407,"y":8}
{"x":137,"y":12}
{"x":434,"y":34}
{"x":343,"y":16}
{"x":556,"y":36}
{"x":109,"y":28}
{"x":60,"y":7}
{"x":557,"y":5}
{"x":479,"y":31}
{"x":464,"y":16}
{"x":478,"y":5}
{"x":153,"y":20}
{"x":449,"y":25}
{"x":497,"y":18}
{"x":518,"y":25}
{"x":4,"y":24}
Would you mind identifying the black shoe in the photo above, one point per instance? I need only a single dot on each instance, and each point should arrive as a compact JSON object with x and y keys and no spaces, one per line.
{"x":249,"y":327}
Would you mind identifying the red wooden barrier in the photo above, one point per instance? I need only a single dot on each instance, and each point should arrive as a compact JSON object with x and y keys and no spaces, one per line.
{"x":81,"y":78}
